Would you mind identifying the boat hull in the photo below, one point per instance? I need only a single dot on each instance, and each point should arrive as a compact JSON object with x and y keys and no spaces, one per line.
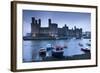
{"x":57,"y":54}
{"x":85,"y":50}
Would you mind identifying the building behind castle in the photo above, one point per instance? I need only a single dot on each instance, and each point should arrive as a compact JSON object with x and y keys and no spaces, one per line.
{"x":53,"y":31}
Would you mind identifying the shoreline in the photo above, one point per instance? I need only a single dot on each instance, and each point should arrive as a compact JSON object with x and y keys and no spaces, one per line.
{"x":25,"y":38}
{"x":64,"y":58}
{"x":42,"y":38}
{"x":48,"y":38}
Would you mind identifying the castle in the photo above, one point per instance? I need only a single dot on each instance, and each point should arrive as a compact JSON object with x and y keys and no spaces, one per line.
{"x":52,"y":30}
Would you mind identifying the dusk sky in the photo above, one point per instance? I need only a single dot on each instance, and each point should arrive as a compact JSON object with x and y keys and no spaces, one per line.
{"x":71,"y":19}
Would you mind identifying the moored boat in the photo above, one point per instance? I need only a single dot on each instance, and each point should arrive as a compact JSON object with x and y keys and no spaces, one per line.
{"x":42,"y":52}
{"x":80,"y":44}
{"x":58,"y":52}
{"x":65,"y":46}
{"x":88,"y":44}
{"x":85,"y":50}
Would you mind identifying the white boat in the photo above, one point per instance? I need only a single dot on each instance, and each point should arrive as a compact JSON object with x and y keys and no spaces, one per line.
{"x":58,"y":52}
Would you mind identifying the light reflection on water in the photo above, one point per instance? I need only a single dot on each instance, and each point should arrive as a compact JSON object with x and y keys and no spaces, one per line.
{"x":31,"y":48}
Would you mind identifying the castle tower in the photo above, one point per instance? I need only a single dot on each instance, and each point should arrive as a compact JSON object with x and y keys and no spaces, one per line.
{"x":35,"y":26}
{"x":36,"y":22}
{"x":32,"y":24}
{"x":75,"y":27}
{"x":39,"y":22}
{"x":49,"y":20}
{"x":33,"y":20}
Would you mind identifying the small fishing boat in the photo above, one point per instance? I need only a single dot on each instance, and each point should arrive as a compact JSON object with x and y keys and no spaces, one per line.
{"x":88,"y":44}
{"x":65,"y":46}
{"x":85,"y":50}
{"x":58,"y":52}
{"x":42,"y":52}
{"x":80,"y":44}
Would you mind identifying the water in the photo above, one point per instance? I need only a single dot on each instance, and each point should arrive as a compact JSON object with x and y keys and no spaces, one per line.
{"x":31,"y":48}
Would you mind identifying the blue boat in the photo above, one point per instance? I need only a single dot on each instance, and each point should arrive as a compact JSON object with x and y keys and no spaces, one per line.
{"x":49,"y":47}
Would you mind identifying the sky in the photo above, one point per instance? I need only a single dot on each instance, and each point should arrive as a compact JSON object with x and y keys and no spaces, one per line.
{"x":71,"y":19}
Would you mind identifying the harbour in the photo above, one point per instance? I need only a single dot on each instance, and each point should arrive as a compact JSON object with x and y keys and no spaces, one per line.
{"x":72,"y":50}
